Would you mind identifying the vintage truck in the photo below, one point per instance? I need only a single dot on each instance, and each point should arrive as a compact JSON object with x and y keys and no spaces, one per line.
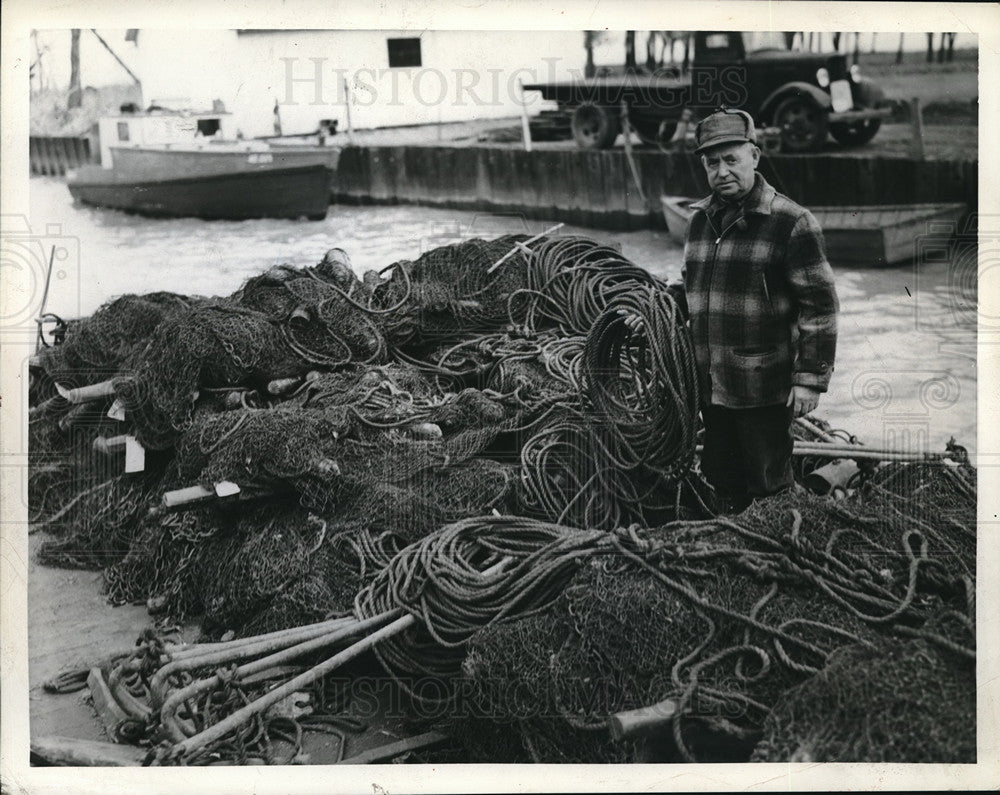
{"x":804,"y":94}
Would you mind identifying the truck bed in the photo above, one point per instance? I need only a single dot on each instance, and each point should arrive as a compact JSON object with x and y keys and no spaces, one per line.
{"x":612,"y":90}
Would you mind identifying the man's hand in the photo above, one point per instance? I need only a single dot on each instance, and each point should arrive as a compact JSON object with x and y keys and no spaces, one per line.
{"x":803,"y":399}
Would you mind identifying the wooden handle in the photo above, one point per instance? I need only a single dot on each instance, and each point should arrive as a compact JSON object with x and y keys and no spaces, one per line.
{"x":191,"y":495}
{"x":85,"y":394}
{"x":107,"y":445}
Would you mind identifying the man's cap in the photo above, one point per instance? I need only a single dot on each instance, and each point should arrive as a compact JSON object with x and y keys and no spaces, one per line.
{"x":726,"y":126}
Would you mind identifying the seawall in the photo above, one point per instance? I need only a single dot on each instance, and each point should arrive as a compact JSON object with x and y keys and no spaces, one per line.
{"x":598,"y":188}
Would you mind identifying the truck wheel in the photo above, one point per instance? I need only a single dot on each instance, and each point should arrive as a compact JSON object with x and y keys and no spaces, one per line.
{"x":655,"y":132}
{"x":803,"y":124}
{"x":855,"y":134}
{"x":594,"y":126}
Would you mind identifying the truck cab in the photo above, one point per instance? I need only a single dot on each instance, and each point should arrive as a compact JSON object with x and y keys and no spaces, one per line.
{"x":806,"y":95}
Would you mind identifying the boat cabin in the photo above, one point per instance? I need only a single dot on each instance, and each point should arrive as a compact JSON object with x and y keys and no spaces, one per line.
{"x":161,"y":127}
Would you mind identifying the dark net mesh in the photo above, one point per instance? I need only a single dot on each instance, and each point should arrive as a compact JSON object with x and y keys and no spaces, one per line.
{"x":101,"y":344}
{"x":895,"y":702}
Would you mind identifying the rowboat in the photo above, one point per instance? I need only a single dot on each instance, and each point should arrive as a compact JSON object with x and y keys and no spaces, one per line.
{"x":867,"y":235}
{"x":178,"y":164}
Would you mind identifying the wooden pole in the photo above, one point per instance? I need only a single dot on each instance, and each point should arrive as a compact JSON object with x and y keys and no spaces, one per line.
{"x":815,"y":430}
{"x":917,"y":123}
{"x":525,"y":126}
{"x":347,"y":104}
{"x":114,"y":55}
{"x":239,"y":717}
{"x":627,"y":133}
{"x":520,"y":247}
{"x":86,"y":394}
{"x":170,"y":704}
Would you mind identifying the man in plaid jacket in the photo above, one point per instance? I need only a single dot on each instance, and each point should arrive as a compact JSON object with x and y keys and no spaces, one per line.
{"x":763,"y":310}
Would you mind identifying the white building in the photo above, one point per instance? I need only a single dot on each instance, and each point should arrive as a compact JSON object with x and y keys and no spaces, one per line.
{"x":381,"y":78}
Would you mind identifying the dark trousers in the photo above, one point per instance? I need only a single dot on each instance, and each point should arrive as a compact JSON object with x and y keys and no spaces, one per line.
{"x":748,"y":452}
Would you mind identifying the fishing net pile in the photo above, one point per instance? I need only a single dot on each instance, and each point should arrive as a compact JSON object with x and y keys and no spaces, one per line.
{"x":478,"y":466}
{"x":482,"y":376}
{"x":900,"y":701}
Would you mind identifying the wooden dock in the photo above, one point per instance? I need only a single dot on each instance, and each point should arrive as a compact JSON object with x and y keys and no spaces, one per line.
{"x":592,"y":188}
{"x":70,"y":625}
{"x":597,"y":188}
{"x":54,"y":155}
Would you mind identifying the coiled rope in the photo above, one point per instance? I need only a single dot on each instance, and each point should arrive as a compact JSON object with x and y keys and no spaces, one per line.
{"x":643,"y":382}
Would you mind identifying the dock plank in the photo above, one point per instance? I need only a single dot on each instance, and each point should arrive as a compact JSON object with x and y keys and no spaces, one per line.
{"x":70,"y":625}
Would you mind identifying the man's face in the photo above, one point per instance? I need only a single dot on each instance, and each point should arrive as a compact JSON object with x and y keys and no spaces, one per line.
{"x":730,"y":168}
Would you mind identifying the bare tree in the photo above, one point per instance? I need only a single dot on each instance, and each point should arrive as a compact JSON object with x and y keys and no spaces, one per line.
{"x":857,"y":47}
{"x":630,"y":64}
{"x":836,"y":42}
{"x":930,"y":48}
{"x":589,"y":41}
{"x":667,"y":41}
{"x":946,"y":49}
{"x":75,"y":98}
{"x":899,"y":52}
{"x":687,"y":51}
{"x":36,"y":65}
{"x":651,"y":39}
{"x":874,"y":35}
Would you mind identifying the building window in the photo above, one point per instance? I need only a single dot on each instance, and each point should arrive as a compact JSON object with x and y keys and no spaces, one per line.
{"x":404,"y":52}
{"x":123,"y":131}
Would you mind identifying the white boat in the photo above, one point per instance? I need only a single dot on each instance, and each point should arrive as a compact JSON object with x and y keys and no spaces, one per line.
{"x":181,"y":164}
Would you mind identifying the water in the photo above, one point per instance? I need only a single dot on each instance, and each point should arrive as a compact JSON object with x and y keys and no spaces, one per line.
{"x":906,"y":361}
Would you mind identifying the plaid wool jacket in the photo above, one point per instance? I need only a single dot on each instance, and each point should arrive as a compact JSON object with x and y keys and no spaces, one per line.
{"x":761,"y":299}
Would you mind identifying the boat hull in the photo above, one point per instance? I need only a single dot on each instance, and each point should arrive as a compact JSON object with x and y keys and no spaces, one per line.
{"x":677,"y":214}
{"x":871,"y":236}
{"x":178,"y":162}
{"x":266,"y":193}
